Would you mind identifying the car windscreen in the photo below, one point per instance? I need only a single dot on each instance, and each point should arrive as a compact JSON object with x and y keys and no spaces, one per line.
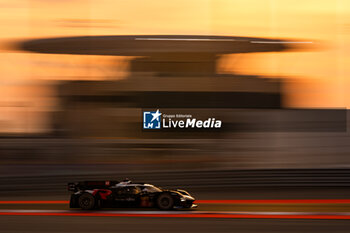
{"x":151,"y":189}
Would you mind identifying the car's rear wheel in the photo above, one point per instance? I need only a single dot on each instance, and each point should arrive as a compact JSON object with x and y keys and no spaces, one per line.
{"x":165,"y":201}
{"x":87,"y":201}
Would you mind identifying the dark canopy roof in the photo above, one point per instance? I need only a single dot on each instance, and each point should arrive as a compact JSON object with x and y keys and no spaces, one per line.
{"x":148,"y":45}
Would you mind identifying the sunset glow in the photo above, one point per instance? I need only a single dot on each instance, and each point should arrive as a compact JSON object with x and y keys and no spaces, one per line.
{"x":317,"y":77}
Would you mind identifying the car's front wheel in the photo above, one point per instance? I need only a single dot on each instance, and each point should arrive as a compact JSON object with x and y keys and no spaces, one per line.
{"x":165,"y":201}
{"x":87,"y":201}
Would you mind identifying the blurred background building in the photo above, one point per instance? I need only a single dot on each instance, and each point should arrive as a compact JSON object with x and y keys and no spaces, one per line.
{"x":70,"y":109}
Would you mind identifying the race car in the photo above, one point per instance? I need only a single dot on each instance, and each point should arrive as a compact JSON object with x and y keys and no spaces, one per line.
{"x":90,"y":195}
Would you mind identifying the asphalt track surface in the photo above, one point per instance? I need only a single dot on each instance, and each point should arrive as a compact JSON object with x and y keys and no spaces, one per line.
{"x":263,"y":216}
{"x":323,"y":210}
{"x":68,"y":224}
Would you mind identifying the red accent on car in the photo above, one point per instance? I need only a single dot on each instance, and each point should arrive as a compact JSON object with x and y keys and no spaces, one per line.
{"x":103,"y":193}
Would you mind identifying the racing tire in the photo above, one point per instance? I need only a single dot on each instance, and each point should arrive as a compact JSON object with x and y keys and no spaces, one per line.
{"x":87,"y":201}
{"x":165,"y":201}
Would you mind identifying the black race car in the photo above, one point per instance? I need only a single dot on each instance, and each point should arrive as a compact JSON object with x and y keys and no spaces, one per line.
{"x":90,"y":195}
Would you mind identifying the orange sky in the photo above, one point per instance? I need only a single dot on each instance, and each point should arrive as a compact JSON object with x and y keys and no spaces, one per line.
{"x":320,"y":76}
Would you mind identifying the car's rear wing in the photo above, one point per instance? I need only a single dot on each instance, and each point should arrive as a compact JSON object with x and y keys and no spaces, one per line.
{"x":84,"y":185}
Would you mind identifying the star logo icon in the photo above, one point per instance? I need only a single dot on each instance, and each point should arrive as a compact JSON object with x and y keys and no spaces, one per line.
{"x":156,"y":115}
{"x":151,"y":119}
